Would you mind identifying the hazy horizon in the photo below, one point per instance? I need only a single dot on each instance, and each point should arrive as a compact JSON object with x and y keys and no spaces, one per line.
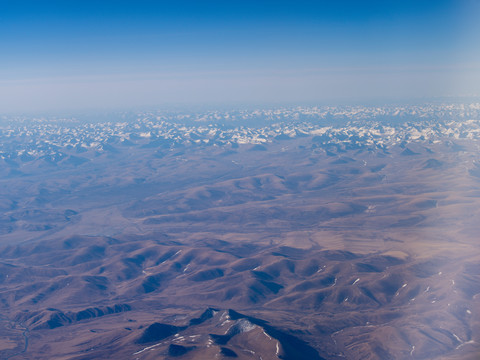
{"x":59,"y":56}
{"x":240,"y":179}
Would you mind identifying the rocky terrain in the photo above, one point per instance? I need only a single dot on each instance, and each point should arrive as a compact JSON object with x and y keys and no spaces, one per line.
{"x":294,"y":233}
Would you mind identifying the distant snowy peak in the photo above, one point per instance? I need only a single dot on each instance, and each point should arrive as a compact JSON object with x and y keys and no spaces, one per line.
{"x":25,"y":139}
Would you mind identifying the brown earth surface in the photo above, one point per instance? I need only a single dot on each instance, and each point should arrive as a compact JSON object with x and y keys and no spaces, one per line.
{"x":214,"y":252}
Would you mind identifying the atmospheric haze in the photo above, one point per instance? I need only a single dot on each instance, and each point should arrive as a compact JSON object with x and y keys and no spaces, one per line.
{"x":251,"y":180}
{"x":76,"y":55}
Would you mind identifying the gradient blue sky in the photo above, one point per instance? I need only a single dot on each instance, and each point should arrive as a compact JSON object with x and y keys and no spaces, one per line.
{"x":60,"y":55}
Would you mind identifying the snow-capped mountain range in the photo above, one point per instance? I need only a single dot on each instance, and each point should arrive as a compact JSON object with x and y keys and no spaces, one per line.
{"x":26,"y":139}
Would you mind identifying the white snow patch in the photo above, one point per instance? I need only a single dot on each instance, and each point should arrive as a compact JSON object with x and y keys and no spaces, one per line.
{"x":465,"y":343}
{"x":147,"y":348}
{"x":458,"y":339}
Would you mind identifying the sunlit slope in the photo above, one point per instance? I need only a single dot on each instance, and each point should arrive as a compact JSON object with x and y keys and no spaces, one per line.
{"x":302,"y":248}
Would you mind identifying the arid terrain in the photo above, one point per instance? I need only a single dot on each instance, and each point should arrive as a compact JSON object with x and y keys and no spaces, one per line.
{"x":288,"y":241}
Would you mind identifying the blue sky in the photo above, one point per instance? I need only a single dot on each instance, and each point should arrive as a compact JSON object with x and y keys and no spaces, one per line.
{"x":103,"y":54}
